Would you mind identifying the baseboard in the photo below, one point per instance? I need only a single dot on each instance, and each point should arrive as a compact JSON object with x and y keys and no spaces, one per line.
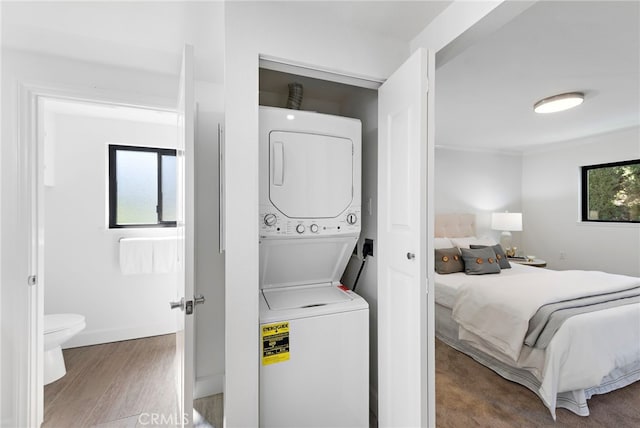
{"x":208,"y":385}
{"x":95,"y":337}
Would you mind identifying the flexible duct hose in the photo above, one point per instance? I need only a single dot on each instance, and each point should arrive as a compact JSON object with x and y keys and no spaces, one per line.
{"x":295,"y":96}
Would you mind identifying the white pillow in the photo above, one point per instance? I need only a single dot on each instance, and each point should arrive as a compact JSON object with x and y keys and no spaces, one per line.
{"x":473,"y":240}
{"x":440,"y":243}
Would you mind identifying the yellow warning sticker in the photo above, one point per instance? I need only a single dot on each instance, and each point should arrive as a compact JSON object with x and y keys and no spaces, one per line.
{"x":275,"y":343}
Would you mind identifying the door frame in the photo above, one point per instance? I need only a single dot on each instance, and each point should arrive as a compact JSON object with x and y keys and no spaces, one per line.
{"x":31,"y":186}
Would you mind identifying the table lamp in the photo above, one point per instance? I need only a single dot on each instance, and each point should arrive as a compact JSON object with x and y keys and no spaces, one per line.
{"x":506,"y":222}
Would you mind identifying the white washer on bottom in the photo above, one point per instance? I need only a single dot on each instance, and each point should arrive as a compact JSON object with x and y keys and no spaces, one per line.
{"x":314,"y":368}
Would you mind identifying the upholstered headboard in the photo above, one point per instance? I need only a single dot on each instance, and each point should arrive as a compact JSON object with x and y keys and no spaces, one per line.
{"x":455,"y":225}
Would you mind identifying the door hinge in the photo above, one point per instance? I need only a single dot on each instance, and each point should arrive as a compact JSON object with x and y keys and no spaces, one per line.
{"x":32,"y":280}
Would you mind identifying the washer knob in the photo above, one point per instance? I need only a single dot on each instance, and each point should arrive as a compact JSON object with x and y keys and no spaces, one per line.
{"x":300,"y":228}
{"x":314,"y":228}
{"x":352,"y":218}
{"x":270,"y":219}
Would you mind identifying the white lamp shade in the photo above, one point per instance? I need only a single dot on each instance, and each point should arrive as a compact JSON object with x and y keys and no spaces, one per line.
{"x":506,"y":221}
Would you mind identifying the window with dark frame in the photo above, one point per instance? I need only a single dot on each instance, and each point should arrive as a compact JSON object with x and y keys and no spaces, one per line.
{"x":142,"y":187}
{"x":611,"y":192}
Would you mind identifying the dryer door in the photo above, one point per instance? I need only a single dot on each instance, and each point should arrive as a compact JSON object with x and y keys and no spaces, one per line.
{"x":311,"y":175}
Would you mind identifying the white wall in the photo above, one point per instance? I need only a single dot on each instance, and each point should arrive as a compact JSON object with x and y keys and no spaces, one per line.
{"x":545,"y":186}
{"x":209,"y":275}
{"x":279,"y":30}
{"x":550,"y":203}
{"x":82,"y":270}
{"x":479,"y":182}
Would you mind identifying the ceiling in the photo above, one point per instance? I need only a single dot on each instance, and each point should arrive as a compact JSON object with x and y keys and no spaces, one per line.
{"x":150,"y":35}
{"x":132,"y":34}
{"x":401,"y":20}
{"x":485,"y":94}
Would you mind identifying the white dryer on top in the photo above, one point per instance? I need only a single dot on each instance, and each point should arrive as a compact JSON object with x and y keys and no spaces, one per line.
{"x":310,"y":175}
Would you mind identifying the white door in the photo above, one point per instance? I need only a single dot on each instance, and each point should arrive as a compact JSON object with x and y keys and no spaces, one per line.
{"x":185,"y":229}
{"x":402,"y":264}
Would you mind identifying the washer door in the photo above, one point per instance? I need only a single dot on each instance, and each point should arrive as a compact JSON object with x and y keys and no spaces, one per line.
{"x":310,"y":175}
{"x":302,"y":261}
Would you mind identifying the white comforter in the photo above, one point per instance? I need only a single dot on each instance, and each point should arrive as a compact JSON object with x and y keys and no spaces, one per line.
{"x":499,"y":309}
{"x":579,"y":358}
{"x":493,"y":313}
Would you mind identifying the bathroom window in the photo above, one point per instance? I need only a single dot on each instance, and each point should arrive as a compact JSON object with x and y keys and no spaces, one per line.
{"x":142,"y":187}
{"x":611,"y":192}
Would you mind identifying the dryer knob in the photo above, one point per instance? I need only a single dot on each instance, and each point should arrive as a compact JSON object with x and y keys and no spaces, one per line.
{"x":314,"y":228}
{"x":352,"y":218}
{"x":300,"y":228}
{"x":270,"y":219}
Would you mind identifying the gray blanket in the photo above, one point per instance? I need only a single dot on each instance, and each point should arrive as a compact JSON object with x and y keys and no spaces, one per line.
{"x":549,"y":318}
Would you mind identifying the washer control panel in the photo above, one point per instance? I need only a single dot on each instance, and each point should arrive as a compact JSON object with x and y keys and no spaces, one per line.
{"x":273,"y":223}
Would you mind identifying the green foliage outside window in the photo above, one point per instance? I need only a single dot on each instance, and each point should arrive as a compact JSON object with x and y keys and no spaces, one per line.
{"x":612,"y":192}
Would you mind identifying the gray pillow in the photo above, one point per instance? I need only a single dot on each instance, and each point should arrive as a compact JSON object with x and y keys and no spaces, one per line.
{"x":500,"y":255}
{"x":480,"y":261}
{"x":448,"y":260}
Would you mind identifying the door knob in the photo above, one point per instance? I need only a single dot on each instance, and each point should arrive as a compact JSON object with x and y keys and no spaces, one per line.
{"x":411,"y":256}
{"x":198,"y":299}
{"x":176,"y":305}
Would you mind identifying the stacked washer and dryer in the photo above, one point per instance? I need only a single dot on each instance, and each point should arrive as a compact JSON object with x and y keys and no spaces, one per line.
{"x":314,"y":332}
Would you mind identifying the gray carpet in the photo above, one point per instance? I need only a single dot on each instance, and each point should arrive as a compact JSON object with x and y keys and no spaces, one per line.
{"x":469,"y":394}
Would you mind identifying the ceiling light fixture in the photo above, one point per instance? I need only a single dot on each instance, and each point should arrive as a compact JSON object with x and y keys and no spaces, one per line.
{"x":559,"y":102}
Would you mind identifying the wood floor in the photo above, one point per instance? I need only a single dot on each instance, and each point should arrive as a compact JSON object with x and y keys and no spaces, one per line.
{"x":132,"y":384}
{"x":208,"y":411}
{"x":121,"y":384}
{"x":471,"y":395}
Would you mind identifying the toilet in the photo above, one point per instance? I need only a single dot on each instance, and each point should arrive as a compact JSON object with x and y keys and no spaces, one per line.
{"x":58,"y":328}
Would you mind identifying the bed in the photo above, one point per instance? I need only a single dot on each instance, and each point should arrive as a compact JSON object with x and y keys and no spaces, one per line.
{"x":589,"y":353}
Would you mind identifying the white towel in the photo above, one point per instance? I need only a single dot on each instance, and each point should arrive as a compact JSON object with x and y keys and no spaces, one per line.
{"x":136,"y":256}
{"x":165,"y":254}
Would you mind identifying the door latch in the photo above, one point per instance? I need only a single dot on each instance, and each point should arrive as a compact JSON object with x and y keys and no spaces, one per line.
{"x":197,"y":300}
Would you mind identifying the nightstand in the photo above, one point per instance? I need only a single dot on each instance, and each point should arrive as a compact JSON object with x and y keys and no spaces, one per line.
{"x":522,"y":261}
